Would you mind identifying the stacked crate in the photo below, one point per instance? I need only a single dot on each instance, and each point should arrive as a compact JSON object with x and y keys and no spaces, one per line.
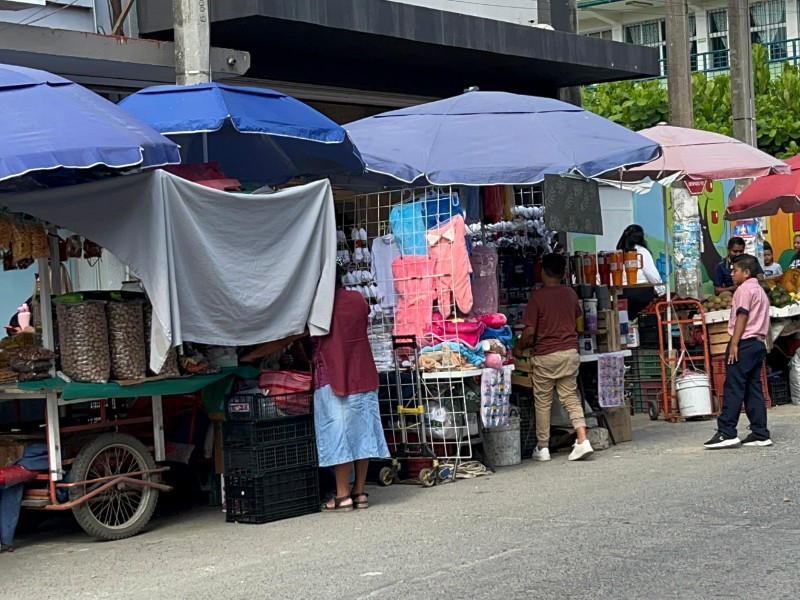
{"x":270,"y":458}
{"x":644,"y":378}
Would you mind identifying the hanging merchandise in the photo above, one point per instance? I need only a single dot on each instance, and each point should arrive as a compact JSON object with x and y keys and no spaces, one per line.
{"x":415,"y":280}
{"x":384,"y":252}
{"x":687,"y":243}
{"x":448,"y":247}
{"x":74,"y":246}
{"x":496,"y":396}
{"x":408,"y":226}
{"x":611,"y":380}
{"x":39,"y":244}
{"x":21,"y":243}
{"x":6,"y":232}
{"x":91,"y":250}
{"x":484,"y":282}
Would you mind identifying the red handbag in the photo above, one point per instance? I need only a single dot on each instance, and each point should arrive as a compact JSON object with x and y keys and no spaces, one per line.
{"x":284,"y":382}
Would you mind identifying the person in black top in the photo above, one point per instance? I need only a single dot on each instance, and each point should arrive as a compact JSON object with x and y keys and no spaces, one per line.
{"x":723,"y":278}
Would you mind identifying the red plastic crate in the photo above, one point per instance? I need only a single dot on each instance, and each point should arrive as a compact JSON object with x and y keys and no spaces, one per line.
{"x":719,"y":368}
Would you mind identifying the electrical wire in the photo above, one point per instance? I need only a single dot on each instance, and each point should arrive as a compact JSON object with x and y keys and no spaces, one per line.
{"x":43,"y":17}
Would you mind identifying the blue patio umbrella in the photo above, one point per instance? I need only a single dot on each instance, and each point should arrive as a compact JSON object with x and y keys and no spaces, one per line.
{"x":48,"y":123}
{"x":494,"y":138}
{"x":257,"y":134}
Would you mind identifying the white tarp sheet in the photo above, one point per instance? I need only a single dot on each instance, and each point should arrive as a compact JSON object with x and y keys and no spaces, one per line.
{"x":219,"y":268}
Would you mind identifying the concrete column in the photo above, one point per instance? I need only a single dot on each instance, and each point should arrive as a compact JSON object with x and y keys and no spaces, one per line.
{"x":742,"y":94}
{"x":679,"y":76}
{"x":192,"y":41}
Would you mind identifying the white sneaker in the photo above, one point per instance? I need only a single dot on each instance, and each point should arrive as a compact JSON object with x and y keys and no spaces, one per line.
{"x":581,"y":451}
{"x":542,"y":455}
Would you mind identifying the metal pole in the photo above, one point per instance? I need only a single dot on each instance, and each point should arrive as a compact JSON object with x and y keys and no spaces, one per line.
{"x":679,"y":74}
{"x":742,"y":92}
{"x":192,"y":41}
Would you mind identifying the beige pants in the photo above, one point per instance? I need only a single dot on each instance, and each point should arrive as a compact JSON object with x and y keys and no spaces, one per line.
{"x":558,"y":371}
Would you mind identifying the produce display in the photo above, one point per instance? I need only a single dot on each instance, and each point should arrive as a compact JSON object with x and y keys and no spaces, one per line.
{"x":722,"y":302}
{"x":126,"y":340}
{"x":83,"y":340}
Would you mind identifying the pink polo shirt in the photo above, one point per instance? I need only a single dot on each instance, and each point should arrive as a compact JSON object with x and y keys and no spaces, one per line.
{"x":751,"y":300}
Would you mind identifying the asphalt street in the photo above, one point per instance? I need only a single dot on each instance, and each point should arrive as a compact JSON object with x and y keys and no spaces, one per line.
{"x":659,"y":517}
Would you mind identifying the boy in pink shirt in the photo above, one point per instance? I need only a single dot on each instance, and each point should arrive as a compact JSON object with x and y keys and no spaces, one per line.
{"x":747,"y":349}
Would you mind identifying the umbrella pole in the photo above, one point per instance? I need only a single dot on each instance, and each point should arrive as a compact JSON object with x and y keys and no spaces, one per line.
{"x":45,"y":304}
{"x":205,"y":147}
{"x":668,"y":255}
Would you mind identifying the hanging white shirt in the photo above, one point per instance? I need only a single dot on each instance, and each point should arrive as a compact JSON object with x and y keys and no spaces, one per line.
{"x":384,"y":251}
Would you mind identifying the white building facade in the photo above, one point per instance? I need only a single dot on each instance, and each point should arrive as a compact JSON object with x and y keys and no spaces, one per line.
{"x":773,"y":23}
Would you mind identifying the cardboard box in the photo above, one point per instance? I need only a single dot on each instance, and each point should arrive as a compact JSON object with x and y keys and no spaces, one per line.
{"x":618,"y":420}
{"x":10,"y":452}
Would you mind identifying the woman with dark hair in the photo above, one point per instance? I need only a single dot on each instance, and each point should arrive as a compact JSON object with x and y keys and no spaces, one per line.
{"x":633,"y":240}
{"x":346,"y":415}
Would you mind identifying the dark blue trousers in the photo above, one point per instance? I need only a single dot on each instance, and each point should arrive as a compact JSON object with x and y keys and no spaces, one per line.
{"x":743,"y":385}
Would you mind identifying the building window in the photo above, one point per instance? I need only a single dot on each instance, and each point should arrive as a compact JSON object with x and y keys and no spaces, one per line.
{"x":718,"y":39}
{"x":768,"y":27}
{"x":602,"y":35}
{"x":649,"y":33}
{"x":693,"y":41}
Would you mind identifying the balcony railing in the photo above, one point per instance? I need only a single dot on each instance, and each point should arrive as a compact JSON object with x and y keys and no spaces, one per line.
{"x":717,"y":62}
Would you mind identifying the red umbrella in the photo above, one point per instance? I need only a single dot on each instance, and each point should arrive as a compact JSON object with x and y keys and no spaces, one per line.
{"x":765,"y":196}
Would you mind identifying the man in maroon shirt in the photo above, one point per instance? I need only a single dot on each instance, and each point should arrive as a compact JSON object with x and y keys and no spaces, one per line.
{"x":551,"y":337}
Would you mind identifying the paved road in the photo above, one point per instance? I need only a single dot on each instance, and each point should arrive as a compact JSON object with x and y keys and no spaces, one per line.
{"x":655,"y":518}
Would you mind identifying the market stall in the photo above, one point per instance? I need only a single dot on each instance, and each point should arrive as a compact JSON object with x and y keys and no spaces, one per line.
{"x":101,"y":336}
{"x":464,"y":205}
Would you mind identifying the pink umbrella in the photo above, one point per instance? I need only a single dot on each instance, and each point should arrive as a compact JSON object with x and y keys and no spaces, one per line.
{"x":697,"y":155}
{"x":768,"y":195}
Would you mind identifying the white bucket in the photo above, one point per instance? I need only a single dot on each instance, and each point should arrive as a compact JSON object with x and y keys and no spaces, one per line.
{"x":694,"y":395}
{"x":503,"y":445}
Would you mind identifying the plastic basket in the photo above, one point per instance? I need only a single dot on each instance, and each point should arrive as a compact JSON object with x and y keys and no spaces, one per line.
{"x":257,"y":407}
{"x":271,"y":497}
{"x":648,"y":365}
{"x":778,"y":384}
{"x":650,"y":391}
{"x":258,"y":460}
{"x":719,"y":368}
{"x":254,"y":433}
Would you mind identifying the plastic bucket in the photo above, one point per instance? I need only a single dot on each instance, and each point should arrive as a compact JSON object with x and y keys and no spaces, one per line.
{"x":503,"y":445}
{"x":694,"y":395}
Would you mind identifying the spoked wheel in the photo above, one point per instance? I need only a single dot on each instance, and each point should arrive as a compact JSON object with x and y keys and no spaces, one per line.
{"x":123,"y":509}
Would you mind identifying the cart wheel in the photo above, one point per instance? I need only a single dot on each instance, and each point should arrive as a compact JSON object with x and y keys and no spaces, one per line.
{"x":653,"y":410}
{"x":386,"y":476}
{"x":123,"y":509}
{"x":427,"y":477}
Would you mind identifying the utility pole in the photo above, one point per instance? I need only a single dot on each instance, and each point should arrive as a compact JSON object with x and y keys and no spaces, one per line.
{"x":192,"y":41}
{"x":679,"y":73}
{"x":742,"y":93}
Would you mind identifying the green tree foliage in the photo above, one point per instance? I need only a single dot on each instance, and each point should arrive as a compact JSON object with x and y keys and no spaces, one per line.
{"x":642,"y":104}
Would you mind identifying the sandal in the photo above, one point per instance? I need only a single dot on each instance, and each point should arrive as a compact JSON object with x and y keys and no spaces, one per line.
{"x":337,"y":505}
{"x":356,"y":495}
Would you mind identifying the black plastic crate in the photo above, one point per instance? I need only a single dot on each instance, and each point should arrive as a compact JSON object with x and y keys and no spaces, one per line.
{"x":265,"y":458}
{"x":779,"y":390}
{"x":272,"y":431}
{"x":258,"y":407}
{"x":527,"y":430}
{"x":271,"y":497}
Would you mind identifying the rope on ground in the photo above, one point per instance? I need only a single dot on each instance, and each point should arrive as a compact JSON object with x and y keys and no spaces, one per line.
{"x":467,"y":469}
